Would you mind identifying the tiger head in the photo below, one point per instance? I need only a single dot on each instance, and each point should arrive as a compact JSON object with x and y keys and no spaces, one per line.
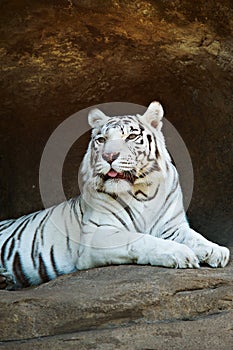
{"x":125,"y":153}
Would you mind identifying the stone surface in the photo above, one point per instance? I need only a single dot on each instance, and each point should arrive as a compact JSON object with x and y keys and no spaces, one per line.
{"x":62,"y":56}
{"x":122,"y":307}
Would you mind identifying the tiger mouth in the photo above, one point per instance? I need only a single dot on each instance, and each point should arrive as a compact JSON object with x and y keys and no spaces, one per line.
{"x":114,"y":175}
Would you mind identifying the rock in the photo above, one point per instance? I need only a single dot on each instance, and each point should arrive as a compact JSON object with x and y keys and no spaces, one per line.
{"x":122,"y":307}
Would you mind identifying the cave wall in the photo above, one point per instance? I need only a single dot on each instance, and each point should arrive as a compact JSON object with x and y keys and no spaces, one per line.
{"x":62,"y":56}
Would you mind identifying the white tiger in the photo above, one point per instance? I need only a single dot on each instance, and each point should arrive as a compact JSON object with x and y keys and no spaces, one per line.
{"x":130,"y":211}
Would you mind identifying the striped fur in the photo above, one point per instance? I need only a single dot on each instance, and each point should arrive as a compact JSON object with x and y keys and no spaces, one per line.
{"x":130,"y":211}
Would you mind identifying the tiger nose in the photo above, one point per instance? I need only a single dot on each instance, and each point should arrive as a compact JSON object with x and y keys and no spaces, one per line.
{"x":110,"y":157}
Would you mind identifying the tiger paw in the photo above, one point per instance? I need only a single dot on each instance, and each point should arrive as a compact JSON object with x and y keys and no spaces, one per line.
{"x":180,"y":257}
{"x":213,"y":255}
{"x":172,"y":254}
{"x":6,"y":280}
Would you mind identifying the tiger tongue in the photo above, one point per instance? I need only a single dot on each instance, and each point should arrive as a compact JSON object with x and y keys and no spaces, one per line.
{"x":112,"y":173}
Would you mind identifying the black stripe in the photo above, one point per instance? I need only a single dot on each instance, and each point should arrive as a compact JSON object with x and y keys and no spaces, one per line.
{"x":133,"y":129}
{"x":122,"y":130}
{"x":94,"y":223}
{"x":155,"y":194}
{"x":81,"y":212}
{"x":12,"y":246}
{"x":54,"y":265}
{"x":22,"y":229}
{"x":33,"y":250}
{"x":149,"y":138}
{"x":63,"y":208}
{"x":140,"y":192}
{"x":3,"y":249}
{"x":167,"y":204}
{"x":20,"y":277}
{"x":35,"y":215}
{"x":70,"y":212}
{"x":118,"y":218}
{"x":28,"y":219}
{"x":76,"y":213}
{"x":176,"y":183}
{"x":129,"y":212}
{"x":170,"y":236}
{"x":166,"y":231}
{"x":125,"y":207}
{"x":42,"y":224}
{"x":114,"y":196}
{"x":157,"y":154}
{"x":161,"y":215}
{"x":68,"y":239}
{"x":66,"y":228}
{"x":102,"y":225}
{"x":146,"y":198}
{"x":153,"y":167}
{"x":43,"y":270}
{"x":141,"y":152}
{"x":172,"y":159}
{"x":6,"y":225}
{"x":171,"y":219}
{"x":142,"y":219}
{"x":141,"y":128}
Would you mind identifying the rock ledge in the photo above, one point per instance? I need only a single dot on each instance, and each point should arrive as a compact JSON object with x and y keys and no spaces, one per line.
{"x":109,"y":307}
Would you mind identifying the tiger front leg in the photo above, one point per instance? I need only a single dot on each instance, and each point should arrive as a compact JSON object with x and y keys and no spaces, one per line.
{"x":111,"y":246}
{"x":206,"y":251}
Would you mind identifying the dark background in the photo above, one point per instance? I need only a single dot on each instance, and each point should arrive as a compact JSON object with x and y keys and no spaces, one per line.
{"x":62,"y":56}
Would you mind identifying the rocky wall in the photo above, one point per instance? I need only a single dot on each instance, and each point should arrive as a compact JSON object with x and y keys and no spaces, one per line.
{"x":61,"y":56}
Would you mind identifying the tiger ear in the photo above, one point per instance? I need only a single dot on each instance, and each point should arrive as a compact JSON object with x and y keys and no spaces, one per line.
{"x":97,"y":118}
{"x":154,"y":115}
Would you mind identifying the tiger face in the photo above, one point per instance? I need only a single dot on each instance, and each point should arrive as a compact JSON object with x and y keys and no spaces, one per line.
{"x":125,"y":151}
{"x":122,"y":152}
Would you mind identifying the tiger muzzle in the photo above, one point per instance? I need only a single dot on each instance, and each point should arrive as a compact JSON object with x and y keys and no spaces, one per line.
{"x":110,"y":157}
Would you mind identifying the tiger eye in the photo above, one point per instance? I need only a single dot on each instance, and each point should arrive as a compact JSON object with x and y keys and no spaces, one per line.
{"x":131,"y":136}
{"x":101,"y":139}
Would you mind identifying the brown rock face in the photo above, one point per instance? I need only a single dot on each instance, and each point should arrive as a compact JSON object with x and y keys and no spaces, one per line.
{"x":115,"y":307}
